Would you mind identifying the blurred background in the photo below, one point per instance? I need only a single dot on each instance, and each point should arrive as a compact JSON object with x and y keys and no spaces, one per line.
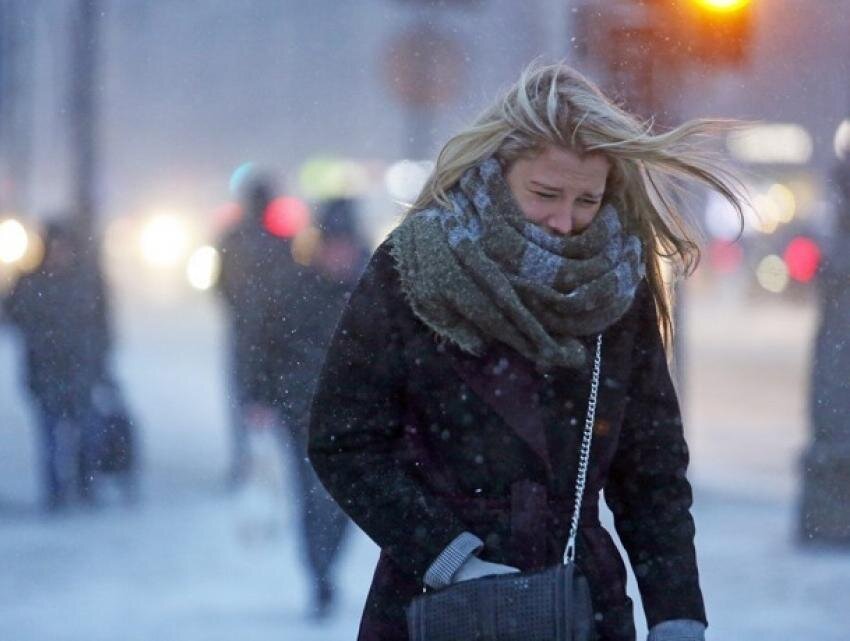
{"x":136,"y":132}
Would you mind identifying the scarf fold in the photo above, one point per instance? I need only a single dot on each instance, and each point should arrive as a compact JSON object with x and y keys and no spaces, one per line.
{"x":480,"y":271}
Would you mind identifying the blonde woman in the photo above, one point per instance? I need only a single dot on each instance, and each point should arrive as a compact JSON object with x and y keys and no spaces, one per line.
{"x":448,"y":418}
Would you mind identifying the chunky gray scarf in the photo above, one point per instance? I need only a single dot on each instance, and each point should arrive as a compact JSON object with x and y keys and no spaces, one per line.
{"x":480,"y":271}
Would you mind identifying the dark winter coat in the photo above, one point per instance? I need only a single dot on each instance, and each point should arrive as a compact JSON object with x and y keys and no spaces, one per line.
{"x":294,"y":334}
{"x":63,"y":317}
{"x":419,"y":442}
{"x":257,"y":273}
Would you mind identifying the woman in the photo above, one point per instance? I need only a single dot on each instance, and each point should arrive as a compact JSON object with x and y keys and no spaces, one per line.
{"x":449,"y":414}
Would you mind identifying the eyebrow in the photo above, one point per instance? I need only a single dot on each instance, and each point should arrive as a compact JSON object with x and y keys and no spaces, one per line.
{"x":541,"y":185}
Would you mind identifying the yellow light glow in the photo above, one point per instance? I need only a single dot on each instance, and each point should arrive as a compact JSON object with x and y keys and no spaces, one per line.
{"x":772,"y":274}
{"x":726,"y":6}
{"x":766,"y":218}
{"x":203,"y":268}
{"x":34,"y":255}
{"x":305,"y":244}
{"x":13,"y":241}
{"x":785,"y":202}
{"x":164,"y":240}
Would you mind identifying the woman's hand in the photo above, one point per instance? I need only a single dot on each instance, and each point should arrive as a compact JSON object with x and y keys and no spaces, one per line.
{"x":475,"y":568}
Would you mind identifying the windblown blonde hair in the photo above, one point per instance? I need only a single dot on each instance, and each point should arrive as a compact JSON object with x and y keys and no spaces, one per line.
{"x":556,"y":105}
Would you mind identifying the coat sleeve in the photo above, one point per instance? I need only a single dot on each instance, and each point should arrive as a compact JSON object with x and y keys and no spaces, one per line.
{"x":647,"y":489}
{"x":357,"y":431}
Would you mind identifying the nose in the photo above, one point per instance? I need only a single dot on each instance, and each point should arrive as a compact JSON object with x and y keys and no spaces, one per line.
{"x":562,"y":221}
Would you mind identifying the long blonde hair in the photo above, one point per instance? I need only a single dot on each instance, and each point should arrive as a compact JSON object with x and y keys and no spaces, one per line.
{"x":556,"y":105}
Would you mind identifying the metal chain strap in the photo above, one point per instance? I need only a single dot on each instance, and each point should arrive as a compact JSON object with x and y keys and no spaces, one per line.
{"x":584,"y":456}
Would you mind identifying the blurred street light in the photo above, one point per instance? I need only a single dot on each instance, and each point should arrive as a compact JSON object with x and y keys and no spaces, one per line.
{"x":164,"y":240}
{"x":13,"y":241}
{"x":772,"y":143}
{"x":405,"y":179}
{"x":285,"y":216}
{"x":723,"y":5}
{"x":203,"y":268}
{"x":725,"y":257}
{"x":722,"y":31}
{"x":324,"y":177}
{"x":772,"y":274}
{"x":803,"y":257}
{"x":842,"y":140}
{"x":785,"y":202}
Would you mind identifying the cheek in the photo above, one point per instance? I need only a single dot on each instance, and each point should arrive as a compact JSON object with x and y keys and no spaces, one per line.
{"x":584,"y":218}
{"x":533,"y":211}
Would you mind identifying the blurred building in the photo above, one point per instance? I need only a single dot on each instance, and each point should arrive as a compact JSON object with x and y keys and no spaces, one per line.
{"x":192,"y":89}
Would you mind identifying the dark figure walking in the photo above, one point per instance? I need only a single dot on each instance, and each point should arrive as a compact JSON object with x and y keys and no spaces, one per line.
{"x":825,"y":504}
{"x":256,"y":266}
{"x":296,"y":332}
{"x":449,"y":414}
{"x":62,"y":314}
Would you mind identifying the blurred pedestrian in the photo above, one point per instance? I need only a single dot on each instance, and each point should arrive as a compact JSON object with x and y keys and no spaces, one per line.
{"x":451,"y":412}
{"x":255,"y":267}
{"x":62,"y":314}
{"x":297,"y":330}
{"x":825,"y":504}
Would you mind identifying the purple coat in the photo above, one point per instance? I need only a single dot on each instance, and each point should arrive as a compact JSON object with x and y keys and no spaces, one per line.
{"x":419,"y":441}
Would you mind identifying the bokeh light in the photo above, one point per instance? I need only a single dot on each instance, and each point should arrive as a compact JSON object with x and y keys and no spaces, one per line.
{"x":203,"y":268}
{"x":721,"y":219}
{"x":164,"y":240}
{"x":286,"y":216}
{"x":225,"y":216}
{"x":305,"y":244}
{"x":772,"y":274}
{"x":405,"y":179}
{"x":803,"y":257}
{"x":34,"y":255}
{"x":13,"y":241}
{"x":772,"y":143}
{"x":784,"y":201}
{"x":723,"y":5}
{"x":766,"y":219}
{"x":238,"y":178}
{"x":326,"y":177}
{"x":725,"y":257}
{"x":842,"y":140}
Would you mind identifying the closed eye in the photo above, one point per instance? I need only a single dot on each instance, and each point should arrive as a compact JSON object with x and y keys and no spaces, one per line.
{"x":544,"y":195}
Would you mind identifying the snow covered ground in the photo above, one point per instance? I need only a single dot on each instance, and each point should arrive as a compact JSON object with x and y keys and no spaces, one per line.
{"x":175,"y":568}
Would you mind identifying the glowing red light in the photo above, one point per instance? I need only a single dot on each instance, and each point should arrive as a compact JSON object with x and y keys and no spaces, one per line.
{"x":725,"y":257}
{"x":803,"y":259}
{"x":286,"y":216}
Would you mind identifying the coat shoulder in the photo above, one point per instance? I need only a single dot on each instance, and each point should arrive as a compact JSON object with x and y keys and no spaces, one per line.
{"x":379,"y":290}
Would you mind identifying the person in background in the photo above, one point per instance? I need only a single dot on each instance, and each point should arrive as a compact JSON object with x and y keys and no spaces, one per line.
{"x":296,"y":331}
{"x":824,"y":517}
{"x":62,"y":314}
{"x":255,"y":267}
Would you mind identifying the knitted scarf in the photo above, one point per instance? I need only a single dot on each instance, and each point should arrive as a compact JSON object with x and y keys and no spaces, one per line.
{"x":480,"y":271}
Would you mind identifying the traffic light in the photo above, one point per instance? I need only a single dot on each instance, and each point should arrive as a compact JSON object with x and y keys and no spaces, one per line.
{"x":675,"y":32}
{"x":721,"y":30}
{"x":722,"y":6}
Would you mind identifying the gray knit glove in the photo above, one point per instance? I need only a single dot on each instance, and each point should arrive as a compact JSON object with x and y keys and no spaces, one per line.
{"x":678,"y":630}
{"x":440,"y":573}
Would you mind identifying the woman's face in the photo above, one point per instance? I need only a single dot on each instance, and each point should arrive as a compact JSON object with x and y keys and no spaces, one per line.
{"x":559,"y":189}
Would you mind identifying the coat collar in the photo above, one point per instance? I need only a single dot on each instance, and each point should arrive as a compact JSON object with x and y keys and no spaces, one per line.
{"x":510,"y":385}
